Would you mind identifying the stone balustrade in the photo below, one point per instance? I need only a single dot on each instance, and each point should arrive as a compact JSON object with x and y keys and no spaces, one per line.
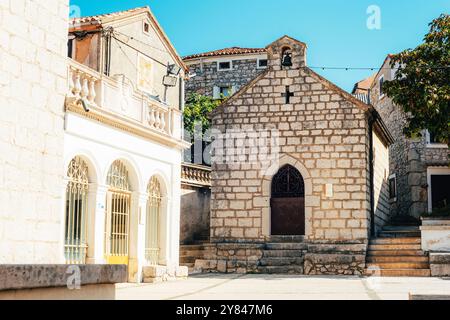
{"x":196,"y":175}
{"x":158,"y":118}
{"x":118,"y":98}
{"x":82,"y":83}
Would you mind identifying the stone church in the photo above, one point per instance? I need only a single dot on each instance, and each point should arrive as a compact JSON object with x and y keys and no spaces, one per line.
{"x":322,"y":187}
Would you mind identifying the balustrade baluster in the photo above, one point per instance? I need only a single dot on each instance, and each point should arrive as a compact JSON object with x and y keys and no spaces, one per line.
{"x":152,"y":119}
{"x":158,"y":120}
{"x":77,"y":87}
{"x":92,"y":93}
{"x":163,"y":121}
{"x":85,"y":89}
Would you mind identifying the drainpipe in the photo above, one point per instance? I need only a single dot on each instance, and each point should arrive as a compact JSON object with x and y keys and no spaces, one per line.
{"x":371,"y":173}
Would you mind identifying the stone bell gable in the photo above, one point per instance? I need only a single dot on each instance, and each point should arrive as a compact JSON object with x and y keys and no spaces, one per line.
{"x":322,"y":133}
{"x":276,"y":49}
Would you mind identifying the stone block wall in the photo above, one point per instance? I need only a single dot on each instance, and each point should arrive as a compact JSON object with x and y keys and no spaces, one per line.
{"x":33,"y":85}
{"x":207,"y":77}
{"x":231,"y":258}
{"x":409,"y":158}
{"x":335,"y":259}
{"x":321,"y":133}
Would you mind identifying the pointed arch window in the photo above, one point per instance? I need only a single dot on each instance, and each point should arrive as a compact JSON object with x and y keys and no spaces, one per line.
{"x":75,"y":246}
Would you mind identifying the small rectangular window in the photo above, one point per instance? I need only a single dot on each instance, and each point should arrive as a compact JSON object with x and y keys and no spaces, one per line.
{"x":146,"y":27}
{"x":262,"y":63}
{"x":392,"y":187}
{"x":225,"y":65}
{"x":225,"y":91}
{"x":381,"y":82}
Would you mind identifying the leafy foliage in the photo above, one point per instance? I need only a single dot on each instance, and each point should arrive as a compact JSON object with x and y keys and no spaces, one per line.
{"x":196,"y":111}
{"x":422,"y":84}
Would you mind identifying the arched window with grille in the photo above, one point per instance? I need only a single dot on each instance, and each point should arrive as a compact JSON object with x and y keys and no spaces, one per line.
{"x":75,"y":246}
{"x":118,"y":204}
{"x":152,"y":244}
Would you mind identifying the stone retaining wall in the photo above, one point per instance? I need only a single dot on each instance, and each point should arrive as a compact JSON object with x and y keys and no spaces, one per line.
{"x":335,"y":259}
{"x":440,"y":264}
{"x":319,"y":258}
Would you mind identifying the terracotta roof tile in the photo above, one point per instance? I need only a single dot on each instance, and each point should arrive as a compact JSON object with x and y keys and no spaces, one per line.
{"x":225,"y":52}
{"x":100,"y":17}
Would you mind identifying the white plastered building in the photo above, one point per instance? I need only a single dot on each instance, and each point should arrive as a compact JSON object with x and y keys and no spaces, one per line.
{"x":123,"y":146}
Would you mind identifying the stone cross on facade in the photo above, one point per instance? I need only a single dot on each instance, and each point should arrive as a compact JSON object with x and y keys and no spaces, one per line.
{"x":288,"y":94}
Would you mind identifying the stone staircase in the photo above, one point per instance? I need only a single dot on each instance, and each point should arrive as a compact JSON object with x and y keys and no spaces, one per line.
{"x":397,"y":253}
{"x":283,"y":255}
{"x":189,"y":254}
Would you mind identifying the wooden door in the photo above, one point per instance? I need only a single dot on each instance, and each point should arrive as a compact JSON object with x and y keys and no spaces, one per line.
{"x":288,"y":203}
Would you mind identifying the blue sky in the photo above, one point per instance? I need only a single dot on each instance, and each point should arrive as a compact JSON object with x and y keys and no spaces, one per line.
{"x":335,"y":30}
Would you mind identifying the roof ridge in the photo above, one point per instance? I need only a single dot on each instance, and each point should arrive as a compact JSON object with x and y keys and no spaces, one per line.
{"x":101,"y":15}
{"x":225,"y":51}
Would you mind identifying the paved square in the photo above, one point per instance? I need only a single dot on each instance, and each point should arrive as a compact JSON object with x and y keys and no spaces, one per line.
{"x":284,"y":287}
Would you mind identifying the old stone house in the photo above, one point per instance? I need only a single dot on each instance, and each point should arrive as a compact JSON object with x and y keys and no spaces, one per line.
{"x":322,"y":186}
{"x":223,"y":72}
{"x":419,"y":168}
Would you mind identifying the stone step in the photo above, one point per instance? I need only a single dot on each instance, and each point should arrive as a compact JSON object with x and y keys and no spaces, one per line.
{"x":192,"y":247}
{"x":396,"y":253}
{"x":400,"y":272}
{"x":397,"y":234}
{"x":401,"y":228}
{"x":383,"y":259}
{"x":281,"y":270}
{"x":281,"y":262}
{"x":287,"y":239}
{"x":375,"y":247}
{"x":404,"y":220}
{"x":396,"y":241}
{"x":399,"y":265}
{"x":286,"y":246}
{"x":282,"y":253}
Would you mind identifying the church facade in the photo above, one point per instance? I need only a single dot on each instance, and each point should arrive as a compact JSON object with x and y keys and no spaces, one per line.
{"x":315,"y":180}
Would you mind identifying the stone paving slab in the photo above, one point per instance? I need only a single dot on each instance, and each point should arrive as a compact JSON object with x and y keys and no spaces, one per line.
{"x":285,"y":287}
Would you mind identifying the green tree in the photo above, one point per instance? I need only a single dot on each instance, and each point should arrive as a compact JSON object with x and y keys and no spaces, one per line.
{"x":422,"y":84}
{"x":196,"y":111}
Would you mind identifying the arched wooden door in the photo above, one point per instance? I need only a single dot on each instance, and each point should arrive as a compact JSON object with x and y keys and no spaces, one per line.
{"x":288,"y":203}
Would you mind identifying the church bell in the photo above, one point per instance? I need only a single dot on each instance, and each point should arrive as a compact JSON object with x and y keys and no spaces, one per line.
{"x":287,"y":59}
